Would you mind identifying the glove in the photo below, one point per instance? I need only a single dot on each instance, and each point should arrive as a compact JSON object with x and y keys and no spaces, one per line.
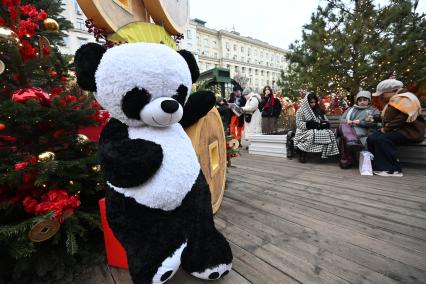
{"x":324,"y":125}
{"x":312,"y":124}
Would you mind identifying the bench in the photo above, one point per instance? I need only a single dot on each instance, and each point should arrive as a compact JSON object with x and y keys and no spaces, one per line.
{"x":412,"y":153}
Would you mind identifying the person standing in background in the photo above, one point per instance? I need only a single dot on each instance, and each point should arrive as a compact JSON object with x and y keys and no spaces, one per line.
{"x":271,"y":109}
{"x":237,"y":122}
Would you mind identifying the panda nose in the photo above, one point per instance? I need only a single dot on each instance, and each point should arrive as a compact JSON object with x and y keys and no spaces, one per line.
{"x":170,"y":106}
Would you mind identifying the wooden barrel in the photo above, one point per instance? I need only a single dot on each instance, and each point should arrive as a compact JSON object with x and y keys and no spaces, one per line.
{"x":208,"y":139}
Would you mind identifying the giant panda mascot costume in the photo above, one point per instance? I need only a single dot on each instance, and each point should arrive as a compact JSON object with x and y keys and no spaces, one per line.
{"x":158,"y":201}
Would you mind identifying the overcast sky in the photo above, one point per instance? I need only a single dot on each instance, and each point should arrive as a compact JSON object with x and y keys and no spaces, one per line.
{"x":278,"y":22}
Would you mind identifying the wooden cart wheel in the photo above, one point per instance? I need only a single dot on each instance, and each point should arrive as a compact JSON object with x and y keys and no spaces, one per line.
{"x":208,"y":139}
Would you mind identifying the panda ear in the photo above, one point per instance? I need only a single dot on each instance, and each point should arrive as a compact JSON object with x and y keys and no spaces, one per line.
{"x":86,"y":61}
{"x":192,"y":64}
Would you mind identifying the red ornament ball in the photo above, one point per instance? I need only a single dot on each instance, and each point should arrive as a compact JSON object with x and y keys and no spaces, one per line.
{"x":2,"y":126}
{"x":32,"y":93}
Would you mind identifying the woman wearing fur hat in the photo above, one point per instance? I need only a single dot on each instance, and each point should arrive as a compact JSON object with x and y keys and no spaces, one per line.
{"x":313,"y":132}
{"x":354,"y":126}
{"x":402,"y":123}
{"x":252,"y":117}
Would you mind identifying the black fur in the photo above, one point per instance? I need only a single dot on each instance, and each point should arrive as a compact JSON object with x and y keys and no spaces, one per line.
{"x":127,"y":162}
{"x":182,"y":92}
{"x":197,"y":106}
{"x":192,"y":64}
{"x":133,"y":102}
{"x":86,"y":61}
{"x":151,"y":235}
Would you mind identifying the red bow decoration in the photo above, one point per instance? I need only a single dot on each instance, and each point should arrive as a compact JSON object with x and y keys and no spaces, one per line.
{"x":32,"y":93}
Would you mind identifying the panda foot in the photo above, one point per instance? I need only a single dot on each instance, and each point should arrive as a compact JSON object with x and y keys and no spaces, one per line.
{"x":169,"y":266}
{"x":214,"y":273}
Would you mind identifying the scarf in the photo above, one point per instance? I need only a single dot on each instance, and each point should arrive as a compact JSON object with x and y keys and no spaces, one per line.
{"x":406,"y":103}
{"x":268,"y":99}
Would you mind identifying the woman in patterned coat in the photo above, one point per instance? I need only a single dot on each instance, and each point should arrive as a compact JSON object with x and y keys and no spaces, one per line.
{"x":313,"y":134}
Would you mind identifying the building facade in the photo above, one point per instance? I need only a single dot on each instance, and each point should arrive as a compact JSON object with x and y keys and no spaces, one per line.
{"x":249,"y":60}
{"x":78,"y":35}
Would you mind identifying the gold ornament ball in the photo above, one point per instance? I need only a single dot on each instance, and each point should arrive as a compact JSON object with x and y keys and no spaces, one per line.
{"x":51,"y":25}
{"x":46,"y":156}
{"x":81,"y":139}
{"x":96,"y":168}
{"x":8,"y":34}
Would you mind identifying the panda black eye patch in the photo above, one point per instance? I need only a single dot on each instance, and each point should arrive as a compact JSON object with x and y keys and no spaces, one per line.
{"x":134,"y":101}
{"x":182,"y":92}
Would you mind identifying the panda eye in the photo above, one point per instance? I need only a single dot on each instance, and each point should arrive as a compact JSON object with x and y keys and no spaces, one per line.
{"x":181,"y":91}
{"x":134,"y":101}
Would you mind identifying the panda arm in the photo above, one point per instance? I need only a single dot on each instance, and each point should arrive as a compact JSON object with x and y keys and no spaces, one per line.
{"x":127,"y":162}
{"x":197,"y":106}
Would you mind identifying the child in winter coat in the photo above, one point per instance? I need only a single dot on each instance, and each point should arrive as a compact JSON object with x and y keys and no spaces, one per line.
{"x":354,"y":127}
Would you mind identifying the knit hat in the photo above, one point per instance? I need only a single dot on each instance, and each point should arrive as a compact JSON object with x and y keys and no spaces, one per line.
{"x":387,"y":86}
{"x":247,"y":91}
{"x":363,"y":94}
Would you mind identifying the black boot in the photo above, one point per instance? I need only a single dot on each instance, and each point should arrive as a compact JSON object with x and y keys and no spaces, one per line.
{"x":302,"y":156}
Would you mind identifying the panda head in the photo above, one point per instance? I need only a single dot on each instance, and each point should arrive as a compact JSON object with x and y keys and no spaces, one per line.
{"x":140,"y":84}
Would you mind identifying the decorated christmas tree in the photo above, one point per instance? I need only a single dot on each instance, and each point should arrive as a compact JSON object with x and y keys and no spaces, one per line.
{"x":355,"y":44}
{"x":50,"y":179}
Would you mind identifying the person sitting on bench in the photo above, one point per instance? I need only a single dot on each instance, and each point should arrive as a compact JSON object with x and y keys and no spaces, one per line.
{"x":313,"y":132}
{"x":402,"y":123}
{"x":355,"y":124}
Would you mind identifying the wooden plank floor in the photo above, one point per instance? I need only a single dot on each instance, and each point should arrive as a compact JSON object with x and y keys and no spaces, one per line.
{"x":315,"y":223}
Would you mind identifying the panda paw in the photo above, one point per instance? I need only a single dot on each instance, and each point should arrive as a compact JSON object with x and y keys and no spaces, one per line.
{"x":169,"y":266}
{"x":214,"y":273}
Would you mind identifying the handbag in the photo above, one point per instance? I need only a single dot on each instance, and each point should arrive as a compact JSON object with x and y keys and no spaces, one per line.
{"x":247,"y":117}
{"x":365,"y":168}
{"x":347,"y":132}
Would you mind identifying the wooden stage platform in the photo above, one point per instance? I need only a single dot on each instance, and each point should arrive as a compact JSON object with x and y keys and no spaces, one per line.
{"x":315,"y":223}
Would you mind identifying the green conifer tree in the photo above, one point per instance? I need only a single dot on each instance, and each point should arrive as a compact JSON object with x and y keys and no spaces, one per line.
{"x":49,"y":174}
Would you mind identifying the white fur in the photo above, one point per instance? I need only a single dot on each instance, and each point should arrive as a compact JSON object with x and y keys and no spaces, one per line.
{"x":170,"y":263}
{"x":221,"y":268}
{"x":152,"y":114}
{"x":155,"y":67}
{"x":178,"y":171}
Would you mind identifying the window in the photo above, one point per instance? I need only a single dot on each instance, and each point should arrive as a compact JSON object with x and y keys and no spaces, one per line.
{"x":248,"y":51}
{"x":234,"y":57}
{"x":236,"y":69}
{"x":189,"y":46}
{"x":214,"y":44}
{"x":66,"y":40}
{"x":77,"y":8}
{"x":261,"y":54}
{"x":227,"y":45}
{"x":206,"y":42}
{"x":215,"y":55}
{"x":189,"y":34}
{"x":235,"y":47}
{"x":242,"y":58}
{"x":242,"y":48}
{"x":82,"y":40}
{"x":79,"y":24}
{"x":249,"y":71}
{"x":243,"y":69}
{"x":261,"y":72}
{"x":228,"y":66}
{"x":256,"y":71}
{"x":227,"y":55}
{"x":206,"y":53}
{"x":255,"y":52}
